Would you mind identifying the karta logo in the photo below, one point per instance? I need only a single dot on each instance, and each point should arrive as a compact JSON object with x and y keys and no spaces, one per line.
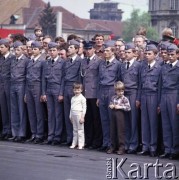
{"x":116,"y":169}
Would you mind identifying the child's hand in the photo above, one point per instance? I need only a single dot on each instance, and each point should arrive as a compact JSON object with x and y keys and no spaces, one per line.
{"x":71,"y":119}
{"x":111,"y":106}
{"x":82,"y":120}
{"x":117,"y":107}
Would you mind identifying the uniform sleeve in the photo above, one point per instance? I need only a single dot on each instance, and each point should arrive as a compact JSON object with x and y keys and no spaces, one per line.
{"x":62,"y":80}
{"x":126,"y":104}
{"x":43,"y":78}
{"x":84,"y":106}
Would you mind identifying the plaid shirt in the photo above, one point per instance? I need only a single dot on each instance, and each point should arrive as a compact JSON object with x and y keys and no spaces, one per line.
{"x":123,"y":102}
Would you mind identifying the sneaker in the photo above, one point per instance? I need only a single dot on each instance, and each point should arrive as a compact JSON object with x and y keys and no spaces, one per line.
{"x":72,"y":147}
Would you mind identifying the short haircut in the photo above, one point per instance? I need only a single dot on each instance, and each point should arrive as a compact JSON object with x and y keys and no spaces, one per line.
{"x":77,"y":85}
{"x":119,"y":85}
{"x":98,"y":35}
{"x":59,"y":38}
{"x":72,"y":36}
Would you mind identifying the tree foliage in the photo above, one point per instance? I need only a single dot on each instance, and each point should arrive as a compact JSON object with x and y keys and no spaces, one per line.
{"x":137,"y":20}
{"x":47,"y":20}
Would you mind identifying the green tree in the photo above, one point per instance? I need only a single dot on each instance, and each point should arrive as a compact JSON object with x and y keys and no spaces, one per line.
{"x":137,"y":20}
{"x":47,"y":20}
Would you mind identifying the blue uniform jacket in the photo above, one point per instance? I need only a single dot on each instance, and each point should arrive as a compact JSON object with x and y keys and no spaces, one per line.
{"x":89,"y":73}
{"x":53,"y":77}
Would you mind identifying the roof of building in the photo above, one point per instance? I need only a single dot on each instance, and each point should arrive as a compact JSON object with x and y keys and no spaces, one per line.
{"x":29,"y":10}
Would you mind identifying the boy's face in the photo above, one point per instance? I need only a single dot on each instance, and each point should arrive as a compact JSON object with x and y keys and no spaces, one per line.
{"x":38,"y":32}
{"x":36,"y":51}
{"x":3,"y":49}
{"x":119,"y":92}
{"x":53,"y":52}
{"x":77,"y":91}
{"x":18,"y":51}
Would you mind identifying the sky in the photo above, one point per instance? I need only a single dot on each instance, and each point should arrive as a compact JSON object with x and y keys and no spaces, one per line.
{"x":81,"y":7}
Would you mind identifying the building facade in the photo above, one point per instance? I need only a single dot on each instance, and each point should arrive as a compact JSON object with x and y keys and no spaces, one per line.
{"x":165,"y":13}
{"x":106,"y":10}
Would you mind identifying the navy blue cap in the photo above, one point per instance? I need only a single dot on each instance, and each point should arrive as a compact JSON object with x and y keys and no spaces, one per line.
{"x":4,"y":42}
{"x":36,"y":44}
{"x":17,"y":44}
{"x":52,"y":45}
{"x":129,"y":46}
{"x":110,"y":43}
{"x":73,"y":42}
{"x":151,"y":47}
{"x":172,"y":47}
{"x":88,"y":44}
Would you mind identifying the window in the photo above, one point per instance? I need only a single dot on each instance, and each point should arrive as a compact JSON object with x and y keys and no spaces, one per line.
{"x":173,"y":4}
{"x":152,"y":5}
{"x":174,"y":28}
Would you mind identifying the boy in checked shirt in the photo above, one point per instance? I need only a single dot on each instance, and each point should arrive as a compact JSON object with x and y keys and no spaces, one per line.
{"x":77,"y":115}
{"x":119,"y":104}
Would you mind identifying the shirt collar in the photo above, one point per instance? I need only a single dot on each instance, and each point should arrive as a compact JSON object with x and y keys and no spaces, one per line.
{"x":131,"y":62}
{"x":74,"y":57}
{"x":152,"y":64}
{"x":92,"y":57}
{"x":20,"y":56}
{"x":111,"y":59}
{"x":56,"y":58}
{"x":174,"y":63}
{"x":35,"y":58}
{"x":6,"y":55}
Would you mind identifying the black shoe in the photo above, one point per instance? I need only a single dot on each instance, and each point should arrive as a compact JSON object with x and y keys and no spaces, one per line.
{"x":165,"y":155}
{"x":153,"y":153}
{"x":93,"y":147}
{"x":103,"y":148}
{"x":38,"y":141}
{"x":20,"y":139}
{"x":143,"y":153}
{"x":55,"y":143}
{"x":13,"y":139}
{"x":2,"y":136}
{"x":32,"y":139}
{"x":47,"y":142}
{"x":67,"y":143}
{"x":174,"y":156}
{"x":7,"y":137}
{"x":130,"y":151}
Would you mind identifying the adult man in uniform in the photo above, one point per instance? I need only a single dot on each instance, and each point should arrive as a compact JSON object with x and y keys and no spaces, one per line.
{"x":34,"y":92}
{"x":89,"y":73}
{"x":130,"y":73}
{"x":109,"y":73}
{"x":17,"y":92}
{"x":53,"y":89}
{"x":72,"y":74}
{"x":5,"y":67}
{"x":170,"y":104}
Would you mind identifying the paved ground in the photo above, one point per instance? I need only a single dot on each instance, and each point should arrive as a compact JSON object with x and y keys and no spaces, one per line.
{"x":42,"y":162}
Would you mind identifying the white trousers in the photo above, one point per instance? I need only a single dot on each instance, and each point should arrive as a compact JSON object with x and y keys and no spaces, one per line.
{"x":78,"y":129}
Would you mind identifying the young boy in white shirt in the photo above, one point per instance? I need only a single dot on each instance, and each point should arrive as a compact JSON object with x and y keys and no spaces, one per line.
{"x":77,"y":115}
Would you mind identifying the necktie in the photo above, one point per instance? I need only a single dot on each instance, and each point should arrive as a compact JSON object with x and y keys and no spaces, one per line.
{"x":33,"y":60}
{"x":107,"y":62}
{"x":88,"y":60}
{"x":171,"y":65}
{"x":128,"y":63}
{"x":17,"y":59}
{"x":149,"y":66}
{"x":71,"y":60}
{"x":53,"y":61}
